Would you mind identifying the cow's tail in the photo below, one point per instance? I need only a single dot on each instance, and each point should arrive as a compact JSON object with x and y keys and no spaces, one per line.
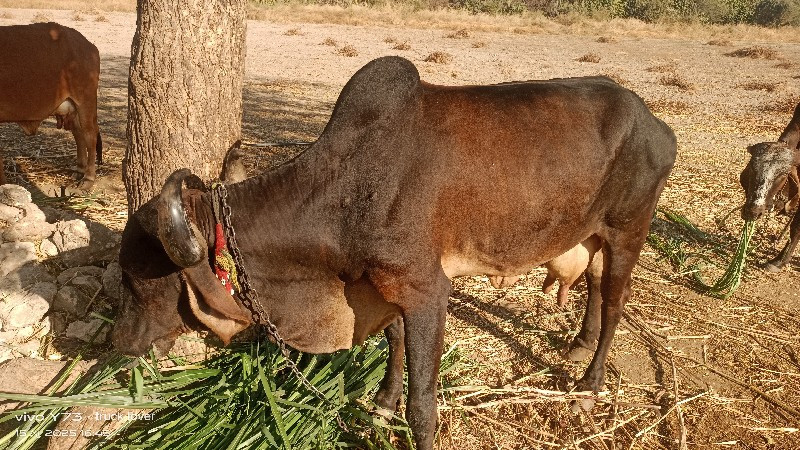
{"x":99,"y":148}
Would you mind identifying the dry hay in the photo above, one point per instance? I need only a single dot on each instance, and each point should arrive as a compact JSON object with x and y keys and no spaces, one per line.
{"x":758,"y":86}
{"x":785,"y":65}
{"x":402,"y":46}
{"x":663,"y":68}
{"x":100,"y":18}
{"x":606,"y":40}
{"x":438,"y":57}
{"x":460,"y":34}
{"x":390,"y":39}
{"x":348,"y":50}
{"x":616,"y":77}
{"x":293,"y":32}
{"x":589,"y":57}
{"x":329,"y":42}
{"x":77,"y":16}
{"x":720,"y":42}
{"x":478,"y":44}
{"x":675,"y":80}
{"x":6,"y":15}
{"x":754,"y":52}
{"x":41,"y":17}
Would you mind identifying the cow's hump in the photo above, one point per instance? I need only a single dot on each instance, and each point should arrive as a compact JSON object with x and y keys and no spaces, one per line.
{"x":379,"y":90}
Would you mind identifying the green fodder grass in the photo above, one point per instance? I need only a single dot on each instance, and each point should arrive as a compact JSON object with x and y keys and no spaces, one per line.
{"x":690,"y":250}
{"x":243,"y":397}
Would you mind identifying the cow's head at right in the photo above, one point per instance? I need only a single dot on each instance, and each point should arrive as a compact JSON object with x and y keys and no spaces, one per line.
{"x":765,"y":175}
{"x":165,"y":263}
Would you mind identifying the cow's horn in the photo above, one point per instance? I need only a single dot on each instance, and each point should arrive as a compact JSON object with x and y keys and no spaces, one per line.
{"x":181,"y":239}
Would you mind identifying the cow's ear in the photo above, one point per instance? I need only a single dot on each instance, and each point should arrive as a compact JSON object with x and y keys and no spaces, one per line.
{"x":212,"y":304}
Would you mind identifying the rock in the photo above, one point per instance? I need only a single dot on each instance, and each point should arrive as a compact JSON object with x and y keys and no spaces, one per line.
{"x":33,"y":213}
{"x":58,"y":322}
{"x":14,"y":255}
{"x":13,"y":195}
{"x":68,"y":275}
{"x":89,"y":285}
{"x":10,"y":214}
{"x":48,"y":248}
{"x":24,"y":277}
{"x":84,"y":330}
{"x":33,"y":376}
{"x":112,"y":281}
{"x":29,"y":349}
{"x":71,"y":300}
{"x":28,"y":307}
{"x":71,"y":235}
{"x":28,"y":230}
{"x":73,"y":242}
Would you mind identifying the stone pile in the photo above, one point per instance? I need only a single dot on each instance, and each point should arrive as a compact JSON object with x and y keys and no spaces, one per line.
{"x":53,"y":275}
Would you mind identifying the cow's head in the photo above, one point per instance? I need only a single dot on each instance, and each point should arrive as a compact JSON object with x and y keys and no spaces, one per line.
{"x":164,"y":259}
{"x":765,"y":175}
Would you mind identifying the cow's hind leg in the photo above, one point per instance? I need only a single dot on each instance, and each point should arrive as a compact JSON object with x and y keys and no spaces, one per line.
{"x":86,"y":135}
{"x":620,"y":253}
{"x":392,"y":384}
{"x":585,"y":343}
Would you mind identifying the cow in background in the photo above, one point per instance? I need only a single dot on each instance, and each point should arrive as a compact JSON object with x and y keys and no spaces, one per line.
{"x":770,"y":181}
{"x":47,"y":69}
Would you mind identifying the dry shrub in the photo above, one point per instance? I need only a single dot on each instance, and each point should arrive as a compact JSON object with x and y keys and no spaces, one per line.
{"x":606,"y":40}
{"x":675,"y":80}
{"x":40,"y":17}
{"x":758,"y":86}
{"x":100,"y":18}
{"x":77,"y":16}
{"x":662,"y":68}
{"x":439,"y":58}
{"x":348,"y":50}
{"x":460,"y":34}
{"x":616,"y":77}
{"x":784,"y":105}
{"x":402,"y":46}
{"x":390,"y":39}
{"x":589,"y":57}
{"x":784,"y":65}
{"x":667,"y":106}
{"x":479,"y":44}
{"x":754,"y":52}
{"x":293,"y":32}
{"x":329,"y":42}
{"x":720,"y":42}
{"x":6,"y":15}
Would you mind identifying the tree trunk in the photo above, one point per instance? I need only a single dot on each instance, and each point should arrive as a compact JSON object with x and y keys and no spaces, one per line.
{"x":184,"y":92}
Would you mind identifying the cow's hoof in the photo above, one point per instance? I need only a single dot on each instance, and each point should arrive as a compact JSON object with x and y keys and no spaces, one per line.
{"x":84,"y":185}
{"x":772,"y":268}
{"x":580,"y":405}
{"x":577,"y":352}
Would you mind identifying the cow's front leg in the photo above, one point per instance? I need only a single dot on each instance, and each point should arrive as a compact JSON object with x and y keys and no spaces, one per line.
{"x":777,"y":263}
{"x":423,"y":302}
{"x":392,"y":384}
{"x":424,"y":327}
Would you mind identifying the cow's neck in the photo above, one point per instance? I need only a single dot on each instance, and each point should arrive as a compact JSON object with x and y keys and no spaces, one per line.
{"x":281,"y":219}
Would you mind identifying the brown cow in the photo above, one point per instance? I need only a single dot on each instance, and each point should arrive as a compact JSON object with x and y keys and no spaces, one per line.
{"x":770,"y":180}
{"x":565,"y":268}
{"x":48,"y":69}
{"x":363,"y":230}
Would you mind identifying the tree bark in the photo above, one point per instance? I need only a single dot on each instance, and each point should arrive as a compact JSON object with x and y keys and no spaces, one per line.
{"x":184,"y":91}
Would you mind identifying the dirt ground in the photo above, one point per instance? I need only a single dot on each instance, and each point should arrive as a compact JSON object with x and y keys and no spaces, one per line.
{"x":716,"y":370}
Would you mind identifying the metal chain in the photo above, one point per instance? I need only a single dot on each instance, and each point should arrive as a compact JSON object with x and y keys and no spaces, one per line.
{"x":249,"y":294}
